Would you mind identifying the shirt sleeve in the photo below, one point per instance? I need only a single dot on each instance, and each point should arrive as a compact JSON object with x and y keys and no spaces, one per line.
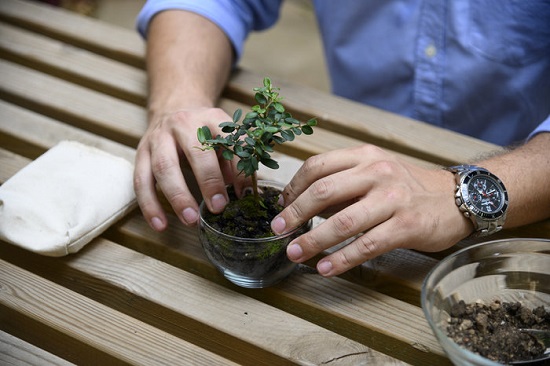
{"x":236,"y":18}
{"x":543,"y":127}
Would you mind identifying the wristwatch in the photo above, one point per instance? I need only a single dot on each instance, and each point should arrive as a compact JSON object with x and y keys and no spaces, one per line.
{"x":481,"y":197}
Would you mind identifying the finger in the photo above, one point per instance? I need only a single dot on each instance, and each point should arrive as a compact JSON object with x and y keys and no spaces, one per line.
{"x":357,"y":218}
{"x":207,"y":169}
{"x":314,"y":168}
{"x":385,"y":237}
{"x":326,"y":164}
{"x":321,"y":194}
{"x":144,"y":187}
{"x":167,"y":172}
{"x":373,"y":243}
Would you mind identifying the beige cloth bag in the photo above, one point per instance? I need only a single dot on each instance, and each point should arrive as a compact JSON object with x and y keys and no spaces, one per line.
{"x":65,"y":198}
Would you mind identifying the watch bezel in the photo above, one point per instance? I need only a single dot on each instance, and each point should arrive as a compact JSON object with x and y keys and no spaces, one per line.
{"x":464,"y":182}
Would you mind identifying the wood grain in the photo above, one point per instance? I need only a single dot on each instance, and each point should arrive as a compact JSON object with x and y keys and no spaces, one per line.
{"x":86,"y":321}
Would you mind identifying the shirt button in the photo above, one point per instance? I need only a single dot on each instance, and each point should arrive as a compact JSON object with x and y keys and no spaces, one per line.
{"x":430,"y":51}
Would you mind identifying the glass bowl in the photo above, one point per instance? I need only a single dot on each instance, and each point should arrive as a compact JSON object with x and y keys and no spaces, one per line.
{"x":509,"y":270}
{"x":249,"y":262}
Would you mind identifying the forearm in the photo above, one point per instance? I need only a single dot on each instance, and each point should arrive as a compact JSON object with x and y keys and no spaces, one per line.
{"x":188,"y":61}
{"x":525,"y":172}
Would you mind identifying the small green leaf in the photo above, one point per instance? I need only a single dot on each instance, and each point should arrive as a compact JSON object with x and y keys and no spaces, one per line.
{"x":307,"y":130}
{"x":237,"y":115}
{"x":258,"y":109}
{"x":200,"y":135}
{"x":241,"y":153}
{"x":272,"y":129}
{"x":279,"y":107}
{"x":228,"y":129}
{"x":297,"y":131}
{"x":205,"y":134}
{"x":227,"y":154}
{"x":270,"y":163}
{"x":288,"y":135}
{"x":260,"y":98}
{"x":254,"y":163}
{"x":241,"y":166}
{"x":312,"y":122}
{"x":228,"y":124}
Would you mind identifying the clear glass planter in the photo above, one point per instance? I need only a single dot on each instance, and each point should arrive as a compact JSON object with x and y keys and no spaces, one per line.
{"x":250,"y":263}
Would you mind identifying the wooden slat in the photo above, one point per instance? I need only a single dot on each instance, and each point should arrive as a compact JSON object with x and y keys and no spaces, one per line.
{"x":84,"y":108}
{"x":72,"y":63}
{"x":37,"y":133}
{"x":11,"y":163}
{"x":123,"y":45}
{"x":14,"y":351}
{"x":114,"y":336}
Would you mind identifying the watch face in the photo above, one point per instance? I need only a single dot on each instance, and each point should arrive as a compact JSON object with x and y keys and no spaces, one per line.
{"x":484,"y":194}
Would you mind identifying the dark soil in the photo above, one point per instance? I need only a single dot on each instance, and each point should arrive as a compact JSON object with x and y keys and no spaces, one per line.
{"x":244,"y":217}
{"x":492,"y":331}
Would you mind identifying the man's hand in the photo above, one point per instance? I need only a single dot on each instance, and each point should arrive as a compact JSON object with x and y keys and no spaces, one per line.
{"x":386,"y":202}
{"x":169,"y":138}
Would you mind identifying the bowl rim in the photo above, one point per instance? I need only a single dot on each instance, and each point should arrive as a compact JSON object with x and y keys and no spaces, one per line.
{"x":268,"y":239}
{"x":442,"y":336}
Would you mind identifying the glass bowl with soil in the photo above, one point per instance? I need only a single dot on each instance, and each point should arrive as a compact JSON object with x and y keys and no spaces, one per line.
{"x":240,"y":243}
{"x":479,"y":300}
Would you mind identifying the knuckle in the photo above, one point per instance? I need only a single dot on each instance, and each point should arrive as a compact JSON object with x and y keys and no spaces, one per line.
{"x":345,"y":260}
{"x":367,"y":247}
{"x":294,"y":212}
{"x":368,"y":149}
{"x":140,"y":182}
{"x":177,"y":198}
{"x":384,"y":167}
{"x":312,"y":164}
{"x":322,"y":189}
{"x":311,"y":242}
{"x":344,"y":223}
{"x":163,"y":166}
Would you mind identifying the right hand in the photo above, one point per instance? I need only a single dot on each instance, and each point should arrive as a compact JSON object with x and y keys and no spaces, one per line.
{"x":169,"y":138}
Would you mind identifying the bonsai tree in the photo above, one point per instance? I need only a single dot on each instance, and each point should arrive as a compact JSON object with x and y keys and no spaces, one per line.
{"x":239,"y":241}
{"x":252,"y":140}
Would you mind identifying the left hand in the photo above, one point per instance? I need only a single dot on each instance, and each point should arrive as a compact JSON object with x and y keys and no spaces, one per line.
{"x":387,"y":202}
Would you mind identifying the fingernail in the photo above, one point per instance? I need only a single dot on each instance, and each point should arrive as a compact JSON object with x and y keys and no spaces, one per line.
{"x":190,"y":216}
{"x":294,"y":252}
{"x":157,"y":224}
{"x":218,"y":202}
{"x":324,"y":267}
{"x":281,"y":200}
{"x":278,"y":225}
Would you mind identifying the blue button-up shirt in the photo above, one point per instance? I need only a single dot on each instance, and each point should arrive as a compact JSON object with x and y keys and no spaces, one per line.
{"x":479,"y":67}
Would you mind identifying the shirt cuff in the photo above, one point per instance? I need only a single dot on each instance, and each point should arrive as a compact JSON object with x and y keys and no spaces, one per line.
{"x":233,"y":18}
{"x":543,"y":127}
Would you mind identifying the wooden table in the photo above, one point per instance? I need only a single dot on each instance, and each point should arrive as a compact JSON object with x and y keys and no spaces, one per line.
{"x":134,"y":296}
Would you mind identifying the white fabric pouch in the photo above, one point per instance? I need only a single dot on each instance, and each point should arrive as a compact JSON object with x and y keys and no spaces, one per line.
{"x":65,"y":198}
